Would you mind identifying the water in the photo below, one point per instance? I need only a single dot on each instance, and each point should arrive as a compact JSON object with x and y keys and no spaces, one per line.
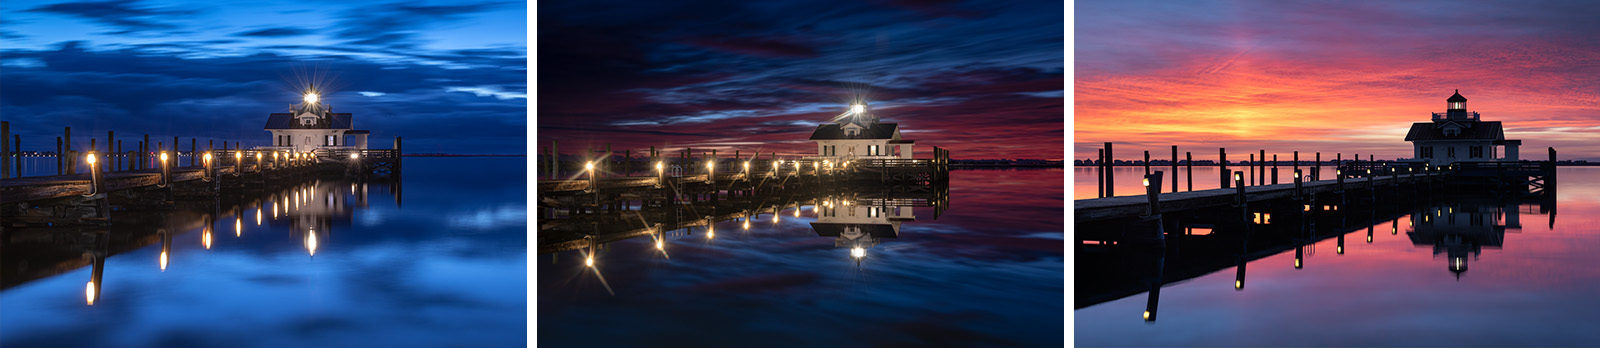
{"x":987,"y":272}
{"x":441,"y":262}
{"x":1463,"y":269}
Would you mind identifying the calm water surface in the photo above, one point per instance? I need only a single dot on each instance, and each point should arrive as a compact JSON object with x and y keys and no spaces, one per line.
{"x":1482,"y":270}
{"x":330,"y":263}
{"x":987,"y":272}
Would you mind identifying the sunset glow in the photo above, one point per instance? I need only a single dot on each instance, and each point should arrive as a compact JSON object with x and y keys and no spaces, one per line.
{"x":1312,"y":77}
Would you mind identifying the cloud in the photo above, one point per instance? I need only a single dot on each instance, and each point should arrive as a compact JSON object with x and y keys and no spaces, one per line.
{"x":127,"y":16}
{"x":275,"y":32}
{"x":398,"y":24}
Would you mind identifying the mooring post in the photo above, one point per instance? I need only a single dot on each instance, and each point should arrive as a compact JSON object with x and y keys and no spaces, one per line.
{"x":1316,"y":169}
{"x":1222,"y":160}
{"x":59,"y":168}
{"x":1100,"y":175}
{"x":5,"y":148}
{"x":144,"y":153}
{"x":1274,"y":169}
{"x":1174,"y":168}
{"x":72,"y":157}
{"x":93,"y":144}
{"x":95,"y":177}
{"x":18,"y":148}
{"x":111,"y":151}
{"x":1111,"y":180}
{"x":1261,"y":171}
{"x":1296,"y":160}
{"x":1147,"y":162}
{"x":1238,"y":180}
{"x":166,"y":168}
{"x":1550,"y":179}
{"x":1338,"y":174}
{"x":1252,"y":169}
{"x":1152,"y":193}
{"x":1188,"y":162}
{"x":1297,"y":185}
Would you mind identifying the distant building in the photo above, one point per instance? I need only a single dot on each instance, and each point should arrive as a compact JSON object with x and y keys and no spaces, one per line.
{"x":857,"y":134}
{"x":313,"y":125}
{"x":1458,"y":135}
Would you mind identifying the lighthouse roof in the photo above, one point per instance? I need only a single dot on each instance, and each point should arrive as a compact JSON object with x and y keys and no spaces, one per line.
{"x":1457,"y":97}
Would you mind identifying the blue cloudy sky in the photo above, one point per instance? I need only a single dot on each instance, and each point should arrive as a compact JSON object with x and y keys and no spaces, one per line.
{"x":448,"y":76}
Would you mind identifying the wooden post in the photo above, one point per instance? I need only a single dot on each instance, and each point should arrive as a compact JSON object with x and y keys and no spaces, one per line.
{"x":59,"y":168}
{"x":1100,"y":174}
{"x":1222,"y":160}
{"x":72,"y":158}
{"x":1188,"y":160}
{"x":1147,"y":162}
{"x":1252,"y":170}
{"x":194,"y":147}
{"x":1297,"y":184}
{"x":1550,"y":179}
{"x":1238,"y":180}
{"x":398,"y":155}
{"x":1274,"y":169}
{"x":627,"y":162}
{"x":1111,"y":179}
{"x":1338,"y":161}
{"x":18,"y":146}
{"x":144,"y":153}
{"x":111,"y":151}
{"x":555,"y":159}
{"x":93,"y":143}
{"x":1152,"y":193}
{"x":5,"y":149}
{"x":1316,"y":170}
{"x":1296,"y":160}
{"x":1174,"y":168}
{"x":1261,"y":170}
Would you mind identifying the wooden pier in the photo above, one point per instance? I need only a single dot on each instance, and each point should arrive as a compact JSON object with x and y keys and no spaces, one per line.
{"x":1097,"y":209}
{"x":156,"y":177}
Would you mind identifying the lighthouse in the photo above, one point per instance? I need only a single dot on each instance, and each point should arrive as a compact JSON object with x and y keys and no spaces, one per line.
{"x":1458,"y":135}
{"x":312,"y":125}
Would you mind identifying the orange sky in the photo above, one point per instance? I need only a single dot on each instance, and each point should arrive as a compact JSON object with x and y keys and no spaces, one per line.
{"x":1286,"y":77}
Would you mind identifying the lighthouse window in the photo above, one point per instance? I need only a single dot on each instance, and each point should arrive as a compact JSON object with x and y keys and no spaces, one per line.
{"x":1477,"y":152}
{"x":1427,"y":152}
{"x":872,"y":150}
{"x":1450,"y":151}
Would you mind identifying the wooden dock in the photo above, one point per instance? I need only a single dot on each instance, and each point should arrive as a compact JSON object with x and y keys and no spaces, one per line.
{"x":1097,"y":209}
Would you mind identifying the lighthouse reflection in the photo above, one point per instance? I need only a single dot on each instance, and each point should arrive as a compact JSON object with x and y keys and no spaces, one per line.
{"x":1461,"y":231}
{"x":858,"y":224}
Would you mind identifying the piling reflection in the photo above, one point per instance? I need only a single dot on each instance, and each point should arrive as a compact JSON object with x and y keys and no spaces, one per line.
{"x":37,"y":253}
{"x":856,"y":220}
{"x":1119,"y":259}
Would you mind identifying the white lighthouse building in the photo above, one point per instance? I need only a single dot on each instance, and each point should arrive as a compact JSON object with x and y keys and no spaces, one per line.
{"x":1458,"y":135}
{"x":312,"y":125}
{"x":857,"y":134}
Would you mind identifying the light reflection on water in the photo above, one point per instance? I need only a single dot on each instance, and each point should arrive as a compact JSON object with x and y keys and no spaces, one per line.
{"x":1462,"y":270}
{"x":305,"y":275}
{"x":979,"y":276}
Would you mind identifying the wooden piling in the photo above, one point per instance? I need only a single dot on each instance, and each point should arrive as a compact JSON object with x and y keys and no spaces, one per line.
{"x":1188,"y":160}
{"x":1252,"y":171}
{"x":1274,"y":169}
{"x":1100,"y":174}
{"x":1222,"y":160}
{"x":72,"y":159}
{"x":59,"y":168}
{"x":1174,"y":168}
{"x":18,"y":160}
{"x":1111,"y":180}
{"x":1152,"y":193}
{"x":1147,"y":162}
{"x":5,"y":149}
{"x":1261,"y":168}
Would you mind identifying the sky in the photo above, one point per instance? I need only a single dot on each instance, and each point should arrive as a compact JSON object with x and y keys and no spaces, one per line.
{"x":448,"y":76}
{"x":1348,"y":77}
{"x":984,"y":79}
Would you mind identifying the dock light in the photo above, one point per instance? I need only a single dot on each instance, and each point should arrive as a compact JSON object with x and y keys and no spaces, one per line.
{"x":312,"y":97}
{"x":747,"y":166}
{"x":588,"y":166}
{"x":1146,"y":182}
{"x":258,"y":157}
{"x":589,"y":261}
{"x":1369,"y":238}
{"x":747,"y":224}
{"x":1296,"y":175}
{"x":354,"y":155}
{"x":238,"y":155}
{"x":163,"y":260}
{"x":206,"y":238}
{"x":1146,"y":315}
{"x":1236,"y":177}
{"x":207,"y":157}
{"x":88,"y":293}
{"x":858,"y":252}
{"x":1297,"y":263}
{"x":238,"y":226}
{"x":1340,"y":249}
{"x":711,"y":165}
{"x":660,"y":167}
{"x":90,"y":158}
{"x":1369,"y":172}
{"x":660,"y":245}
{"x":163,"y":156}
{"x":1238,"y":284}
{"x":858,"y":108}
